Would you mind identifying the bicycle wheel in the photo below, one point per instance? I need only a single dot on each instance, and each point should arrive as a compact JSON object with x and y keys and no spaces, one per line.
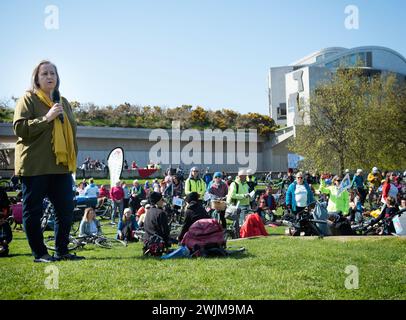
{"x":75,"y":227}
{"x":50,"y":243}
{"x":109,"y":243}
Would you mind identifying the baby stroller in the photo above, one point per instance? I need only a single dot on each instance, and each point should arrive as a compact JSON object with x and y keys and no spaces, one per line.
{"x":312,"y":221}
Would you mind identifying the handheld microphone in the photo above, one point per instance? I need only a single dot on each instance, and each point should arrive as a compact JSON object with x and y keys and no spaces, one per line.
{"x":56,"y":97}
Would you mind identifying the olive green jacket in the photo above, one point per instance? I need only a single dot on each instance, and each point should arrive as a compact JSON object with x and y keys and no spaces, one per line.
{"x":34,"y":153}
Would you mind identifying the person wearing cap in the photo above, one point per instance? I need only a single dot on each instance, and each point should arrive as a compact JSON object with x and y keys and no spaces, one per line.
{"x":238,"y":192}
{"x":338,"y":202}
{"x":218,"y":189}
{"x":156,"y":221}
{"x":358,"y":183}
{"x":194,"y":212}
{"x":299,"y":194}
{"x":195,"y":184}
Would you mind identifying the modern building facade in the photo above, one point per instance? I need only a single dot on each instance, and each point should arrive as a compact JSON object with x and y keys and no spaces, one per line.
{"x":292,"y":85}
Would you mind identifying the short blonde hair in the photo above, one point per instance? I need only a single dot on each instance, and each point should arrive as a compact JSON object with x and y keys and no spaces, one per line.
{"x":34,"y":78}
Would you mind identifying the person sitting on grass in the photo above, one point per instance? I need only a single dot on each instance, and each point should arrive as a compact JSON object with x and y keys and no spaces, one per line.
{"x":141,"y":219}
{"x":127,"y":226}
{"x":89,"y":225}
{"x":194,"y":212}
{"x":156,"y":221}
{"x":6,"y":235}
{"x":388,"y":213}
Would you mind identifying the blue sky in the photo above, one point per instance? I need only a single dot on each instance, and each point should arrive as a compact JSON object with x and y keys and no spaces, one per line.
{"x":213,"y":53}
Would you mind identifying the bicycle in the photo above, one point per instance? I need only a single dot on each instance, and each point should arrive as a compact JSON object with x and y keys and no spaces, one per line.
{"x":80,"y":242}
{"x":48,"y":218}
{"x":104,"y":209}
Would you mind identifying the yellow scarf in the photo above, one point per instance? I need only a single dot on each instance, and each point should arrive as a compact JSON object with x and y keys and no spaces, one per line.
{"x":62,"y":137}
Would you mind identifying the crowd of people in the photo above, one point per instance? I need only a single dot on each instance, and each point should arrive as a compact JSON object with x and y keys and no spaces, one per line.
{"x":143,"y":205}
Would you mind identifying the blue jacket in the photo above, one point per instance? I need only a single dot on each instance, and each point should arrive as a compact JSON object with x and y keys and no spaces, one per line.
{"x":132,"y":223}
{"x":358,"y":181}
{"x":290,"y":195}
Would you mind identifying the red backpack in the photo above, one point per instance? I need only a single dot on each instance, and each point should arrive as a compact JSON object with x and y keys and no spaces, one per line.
{"x":204,"y":233}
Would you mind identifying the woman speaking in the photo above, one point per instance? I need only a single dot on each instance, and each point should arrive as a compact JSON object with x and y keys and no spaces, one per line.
{"x":45,"y":157}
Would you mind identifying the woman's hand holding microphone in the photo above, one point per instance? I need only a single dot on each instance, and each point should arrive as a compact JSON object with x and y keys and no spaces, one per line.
{"x":54,"y":112}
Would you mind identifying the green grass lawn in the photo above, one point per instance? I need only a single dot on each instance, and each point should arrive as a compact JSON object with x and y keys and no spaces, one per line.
{"x":274,"y":267}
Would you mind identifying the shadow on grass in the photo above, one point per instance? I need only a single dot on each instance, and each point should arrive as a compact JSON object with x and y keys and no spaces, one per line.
{"x":236,"y":256}
{"x":12,"y":255}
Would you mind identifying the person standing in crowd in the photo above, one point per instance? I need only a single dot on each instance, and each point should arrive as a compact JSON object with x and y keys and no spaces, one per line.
{"x":194,"y":212}
{"x":175,"y":188}
{"x":299,"y":195}
{"x":103,"y":192}
{"x":137,"y":195}
{"x":45,"y":158}
{"x":287,"y":180}
{"x":338,"y":202}
{"x":156,"y":221}
{"x":92,"y":193}
{"x":251,"y":181}
{"x":238,"y":192}
{"x":117,"y":197}
{"x":195,"y":184}
{"x":389,"y":189}
{"x":147,"y":189}
{"x":127,"y":194}
{"x":207,"y":177}
{"x":358,"y":183}
{"x":229,"y":181}
{"x":80,"y":190}
{"x":156,"y":187}
{"x":218,"y":189}
{"x":269,"y":199}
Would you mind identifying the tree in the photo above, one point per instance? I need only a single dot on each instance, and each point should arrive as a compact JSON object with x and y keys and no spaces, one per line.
{"x":356,"y":120}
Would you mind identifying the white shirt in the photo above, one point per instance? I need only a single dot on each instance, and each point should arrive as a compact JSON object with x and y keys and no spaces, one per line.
{"x":393,"y":193}
{"x":301,"y":195}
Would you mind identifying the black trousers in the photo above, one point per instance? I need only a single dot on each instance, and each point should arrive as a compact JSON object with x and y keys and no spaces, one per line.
{"x":58,"y":189}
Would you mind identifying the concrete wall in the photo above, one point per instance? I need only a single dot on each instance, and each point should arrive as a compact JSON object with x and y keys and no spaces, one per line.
{"x":97,"y":142}
{"x":277,"y":91}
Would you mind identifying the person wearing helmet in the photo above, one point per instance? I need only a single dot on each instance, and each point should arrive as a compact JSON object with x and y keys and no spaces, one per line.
{"x":374,"y":182}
